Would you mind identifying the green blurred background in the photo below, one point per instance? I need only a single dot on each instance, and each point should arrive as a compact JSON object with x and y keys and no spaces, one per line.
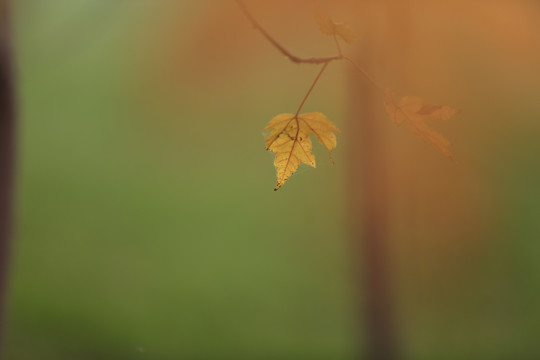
{"x":147,"y":227}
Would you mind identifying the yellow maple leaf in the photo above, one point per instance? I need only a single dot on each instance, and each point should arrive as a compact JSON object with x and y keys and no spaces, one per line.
{"x":331,"y":28}
{"x":414,"y":112}
{"x":290,"y":141}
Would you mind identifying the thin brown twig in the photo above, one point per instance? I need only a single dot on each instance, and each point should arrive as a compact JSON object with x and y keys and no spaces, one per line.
{"x":311,"y":60}
{"x":287,"y":53}
{"x":315,"y":60}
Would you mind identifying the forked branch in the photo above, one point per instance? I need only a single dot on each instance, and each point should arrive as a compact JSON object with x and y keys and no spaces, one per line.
{"x":310,"y":60}
{"x":287,"y":53}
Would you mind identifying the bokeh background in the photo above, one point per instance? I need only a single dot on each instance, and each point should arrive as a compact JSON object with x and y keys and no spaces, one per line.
{"x":147,"y":227}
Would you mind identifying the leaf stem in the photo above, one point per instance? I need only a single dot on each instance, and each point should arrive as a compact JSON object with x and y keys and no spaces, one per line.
{"x":310,"y":89}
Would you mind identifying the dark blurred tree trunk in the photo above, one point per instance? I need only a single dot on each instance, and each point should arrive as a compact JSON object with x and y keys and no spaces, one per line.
{"x":368,"y":211}
{"x":368,"y":187}
{"x":7,"y":146}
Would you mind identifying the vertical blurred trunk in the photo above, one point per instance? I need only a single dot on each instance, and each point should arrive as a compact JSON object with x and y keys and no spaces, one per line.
{"x":7,"y":141}
{"x":368,"y":211}
{"x":368,"y":189}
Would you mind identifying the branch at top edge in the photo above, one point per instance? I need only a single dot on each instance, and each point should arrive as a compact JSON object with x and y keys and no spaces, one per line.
{"x":293,"y":58}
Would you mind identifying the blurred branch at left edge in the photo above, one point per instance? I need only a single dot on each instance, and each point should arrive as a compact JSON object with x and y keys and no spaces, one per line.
{"x":7,"y":152}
